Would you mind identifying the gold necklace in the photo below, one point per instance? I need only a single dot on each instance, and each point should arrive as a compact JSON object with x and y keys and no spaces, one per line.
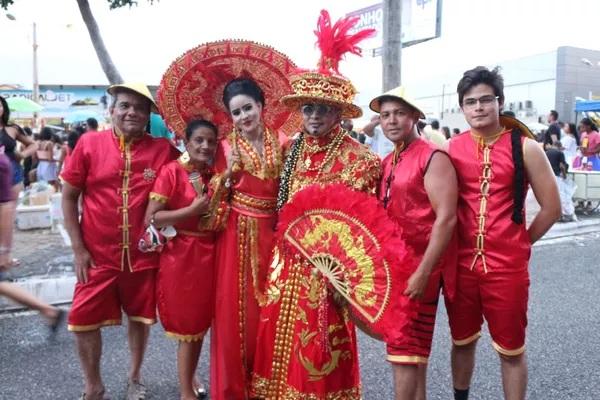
{"x":331,"y":151}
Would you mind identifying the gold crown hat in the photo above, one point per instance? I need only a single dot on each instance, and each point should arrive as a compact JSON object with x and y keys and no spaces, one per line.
{"x":138,"y":88}
{"x":397,"y":93}
{"x":326,"y":84}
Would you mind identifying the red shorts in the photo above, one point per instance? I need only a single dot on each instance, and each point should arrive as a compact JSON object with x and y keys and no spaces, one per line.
{"x":498,"y":296}
{"x":413,"y":345}
{"x":98,"y":302}
{"x":185,"y":287}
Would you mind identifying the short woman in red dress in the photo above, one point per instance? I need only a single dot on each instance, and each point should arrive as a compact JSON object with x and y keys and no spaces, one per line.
{"x":186,"y":195}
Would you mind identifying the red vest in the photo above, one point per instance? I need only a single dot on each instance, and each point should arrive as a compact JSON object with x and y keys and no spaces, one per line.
{"x":409,"y":204}
{"x":488,"y":238}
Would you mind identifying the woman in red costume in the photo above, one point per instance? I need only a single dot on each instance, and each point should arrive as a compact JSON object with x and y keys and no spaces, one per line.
{"x":224,"y":82}
{"x":254,"y":160}
{"x":185,"y":197}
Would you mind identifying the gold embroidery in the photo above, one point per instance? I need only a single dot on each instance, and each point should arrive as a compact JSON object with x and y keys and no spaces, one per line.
{"x":484,"y":188}
{"x":125,"y":251}
{"x":158,"y":197}
{"x":244,"y":202}
{"x":266,"y":167}
{"x":261,"y":389}
{"x":185,"y":338}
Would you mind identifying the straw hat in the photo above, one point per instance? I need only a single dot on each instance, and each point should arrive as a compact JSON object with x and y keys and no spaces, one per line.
{"x":138,"y":88}
{"x":397,"y":93}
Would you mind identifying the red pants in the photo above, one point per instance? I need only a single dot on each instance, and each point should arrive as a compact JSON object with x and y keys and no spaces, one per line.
{"x":413,"y":346}
{"x":498,"y":296}
{"x":98,"y":302}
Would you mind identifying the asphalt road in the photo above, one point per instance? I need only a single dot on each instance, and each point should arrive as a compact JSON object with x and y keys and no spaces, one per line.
{"x":563,"y":344}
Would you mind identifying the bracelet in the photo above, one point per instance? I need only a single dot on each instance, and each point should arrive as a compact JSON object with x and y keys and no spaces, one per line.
{"x":228,"y":183}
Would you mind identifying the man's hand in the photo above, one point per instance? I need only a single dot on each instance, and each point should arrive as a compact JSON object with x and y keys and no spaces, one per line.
{"x":415,"y":289}
{"x":83,"y":261}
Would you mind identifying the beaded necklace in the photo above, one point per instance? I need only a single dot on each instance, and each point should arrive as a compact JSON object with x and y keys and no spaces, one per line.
{"x":399,"y":148}
{"x":331,"y":152}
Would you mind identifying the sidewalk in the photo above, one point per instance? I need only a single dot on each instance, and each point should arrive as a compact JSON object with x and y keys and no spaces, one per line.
{"x":47,"y":270}
{"x":46,"y":267}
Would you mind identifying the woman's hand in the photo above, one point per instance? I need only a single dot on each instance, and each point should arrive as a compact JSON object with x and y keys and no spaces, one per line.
{"x":199,"y":205}
{"x":234,"y":162}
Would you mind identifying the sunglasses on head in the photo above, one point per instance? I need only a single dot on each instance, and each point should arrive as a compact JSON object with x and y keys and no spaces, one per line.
{"x":320,"y":109}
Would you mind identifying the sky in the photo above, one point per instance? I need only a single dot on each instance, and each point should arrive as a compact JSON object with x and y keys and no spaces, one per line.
{"x":144,"y":40}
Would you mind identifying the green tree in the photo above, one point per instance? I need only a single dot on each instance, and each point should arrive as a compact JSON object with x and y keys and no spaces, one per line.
{"x":111,"y":72}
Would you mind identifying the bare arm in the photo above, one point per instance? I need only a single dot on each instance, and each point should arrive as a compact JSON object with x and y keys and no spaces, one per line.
{"x":543,"y":183}
{"x":442,"y":189}
{"x":83,"y":259}
{"x":30,"y":146}
{"x":369,"y":129}
{"x":164,"y":217}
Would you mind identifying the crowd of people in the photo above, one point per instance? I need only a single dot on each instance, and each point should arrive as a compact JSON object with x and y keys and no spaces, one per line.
{"x":191,"y":236}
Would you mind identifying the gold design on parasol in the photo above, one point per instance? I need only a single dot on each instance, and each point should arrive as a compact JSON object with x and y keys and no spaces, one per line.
{"x":327,"y":225}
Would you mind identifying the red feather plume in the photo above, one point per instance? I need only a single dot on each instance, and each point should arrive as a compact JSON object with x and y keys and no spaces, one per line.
{"x":335,"y":41}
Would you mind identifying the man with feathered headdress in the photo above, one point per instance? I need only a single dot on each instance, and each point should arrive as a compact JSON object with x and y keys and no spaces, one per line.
{"x":307,"y":341}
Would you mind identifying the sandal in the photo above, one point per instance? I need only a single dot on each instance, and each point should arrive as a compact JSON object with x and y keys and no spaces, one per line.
{"x":200,"y":393}
{"x":57,"y":322}
{"x":135,"y":391}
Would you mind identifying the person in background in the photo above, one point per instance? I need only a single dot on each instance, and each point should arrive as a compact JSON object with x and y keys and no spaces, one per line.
{"x":552,"y":135}
{"x":455,"y":131}
{"x":446,"y":132}
{"x":91,"y":125}
{"x":570,"y":143}
{"x":559,"y":167}
{"x":349,"y":127}
{"x":434,"y":135}
{"x":590,"y":143}
{"x":27,"y":161}
{"x":380,"y":145}
{"x":10,"y":136}
{"x":47,"y":167}
{"x":54,"y":316}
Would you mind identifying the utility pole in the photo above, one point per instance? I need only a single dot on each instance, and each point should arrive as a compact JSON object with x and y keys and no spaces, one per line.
{"x":36,"y":85}
{"x":392,"y":44}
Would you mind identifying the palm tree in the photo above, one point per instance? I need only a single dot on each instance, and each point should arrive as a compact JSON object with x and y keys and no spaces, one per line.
{"x":111,"y":72}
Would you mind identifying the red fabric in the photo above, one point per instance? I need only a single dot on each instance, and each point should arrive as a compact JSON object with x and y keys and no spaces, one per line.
{"x":500,"y":297}
{"x":98,"y":302}
{"x":307,"y":341}
{"x":97,"y":167}
{"x":414,"y":341}
{"x":501,"y":232}
{"x":236,"y":319}
{"x":410,"y":207}
{"x":185,"y":286}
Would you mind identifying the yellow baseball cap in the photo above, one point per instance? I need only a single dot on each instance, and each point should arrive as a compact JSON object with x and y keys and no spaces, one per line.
{"x":138,"y":88}
{"x":398,"y":93}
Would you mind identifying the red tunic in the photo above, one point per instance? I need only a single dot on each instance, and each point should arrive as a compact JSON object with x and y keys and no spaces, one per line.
{"x":185,"y":286}
{"x":115,"y":185}
{"x":307,"y":341}
{"x":410,"y":207}
{"x":243,"y":252}
{"x":499,"y":233}
{"x":493,"y":251}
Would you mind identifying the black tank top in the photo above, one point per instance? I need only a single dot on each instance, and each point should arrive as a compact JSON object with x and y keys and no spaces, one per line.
{"x":9,"y":143}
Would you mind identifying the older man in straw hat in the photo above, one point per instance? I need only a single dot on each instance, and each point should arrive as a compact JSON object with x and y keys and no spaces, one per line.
{"x":113,"y":171}
{"x":419,"y":191}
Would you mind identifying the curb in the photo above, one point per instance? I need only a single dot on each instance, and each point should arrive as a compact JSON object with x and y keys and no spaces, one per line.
{"x":561,"y":230}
